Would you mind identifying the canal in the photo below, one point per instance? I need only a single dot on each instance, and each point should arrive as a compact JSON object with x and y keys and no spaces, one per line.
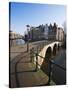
{"x":58,"y":74}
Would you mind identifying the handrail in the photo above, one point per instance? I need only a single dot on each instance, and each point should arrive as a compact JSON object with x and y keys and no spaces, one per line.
{"x":51,"y":62}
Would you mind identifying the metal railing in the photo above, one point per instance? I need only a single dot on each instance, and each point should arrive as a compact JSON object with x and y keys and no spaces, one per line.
{"x":51,"y":63}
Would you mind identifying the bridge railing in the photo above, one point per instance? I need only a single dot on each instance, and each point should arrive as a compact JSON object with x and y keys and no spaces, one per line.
{"x":13,"y":41}
{"x":51,"y":63}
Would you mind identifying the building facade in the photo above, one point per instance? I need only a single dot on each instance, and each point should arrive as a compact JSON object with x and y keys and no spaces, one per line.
{"x":15,"y":39}
{"x":60,"y":34}
{"x":45,"y":32}
{"x":38,"y":33}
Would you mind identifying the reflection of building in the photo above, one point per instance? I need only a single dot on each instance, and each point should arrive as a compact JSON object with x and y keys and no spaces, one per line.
{"x":14,"y":38}
{"x":51,"y":32}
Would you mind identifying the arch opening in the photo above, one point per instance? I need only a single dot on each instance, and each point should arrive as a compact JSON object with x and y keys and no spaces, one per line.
{"x":55,"y":49}
{"x":48,"y":54}
{"x":45,"y":64}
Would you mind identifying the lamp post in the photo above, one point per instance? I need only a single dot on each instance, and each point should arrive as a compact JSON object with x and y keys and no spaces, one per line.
{"x":27,"y":37}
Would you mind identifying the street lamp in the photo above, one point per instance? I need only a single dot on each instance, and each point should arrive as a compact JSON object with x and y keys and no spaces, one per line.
{"x":27,"y":37}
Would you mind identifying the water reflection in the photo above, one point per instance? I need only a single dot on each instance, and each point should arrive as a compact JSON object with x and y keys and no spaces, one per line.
{"x":20,"y":41}
{"x":17,"y":42}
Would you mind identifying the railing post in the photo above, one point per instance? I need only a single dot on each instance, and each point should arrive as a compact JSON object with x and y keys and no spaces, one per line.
{"x":31,"y":55}
{"x":36,"y":62}
{"x":27,"y":46}
{"x":50,"y":71}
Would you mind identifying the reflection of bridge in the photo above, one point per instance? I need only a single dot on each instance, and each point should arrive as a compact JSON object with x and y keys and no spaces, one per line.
{"x":32,"y":68}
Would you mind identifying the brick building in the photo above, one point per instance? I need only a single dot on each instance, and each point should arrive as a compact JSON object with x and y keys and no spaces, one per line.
{"x":45,"y":32}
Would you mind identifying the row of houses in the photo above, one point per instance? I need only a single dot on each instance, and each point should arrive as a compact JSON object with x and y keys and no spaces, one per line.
{"x":51,"y":32}
{"x":14,"y":35}
{"x":41,"y":32}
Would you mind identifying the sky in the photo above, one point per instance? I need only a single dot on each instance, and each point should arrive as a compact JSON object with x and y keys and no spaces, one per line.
{"x":32,"y":14}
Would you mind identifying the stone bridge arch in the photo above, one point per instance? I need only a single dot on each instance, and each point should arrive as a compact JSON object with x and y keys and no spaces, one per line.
{"x":55,"y":49}
{"x":45,"y":64}
{"x":47,"y":52}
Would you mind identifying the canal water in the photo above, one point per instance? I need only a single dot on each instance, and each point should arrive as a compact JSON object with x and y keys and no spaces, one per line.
{"x":17,"y":42}
{"x":20,"y":41}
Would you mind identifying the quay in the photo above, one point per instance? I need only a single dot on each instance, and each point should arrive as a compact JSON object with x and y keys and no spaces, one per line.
{"x":32,"y":68}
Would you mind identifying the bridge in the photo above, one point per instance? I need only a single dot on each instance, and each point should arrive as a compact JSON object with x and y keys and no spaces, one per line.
{"x":33,"y":68}
{"x":48,"y":51}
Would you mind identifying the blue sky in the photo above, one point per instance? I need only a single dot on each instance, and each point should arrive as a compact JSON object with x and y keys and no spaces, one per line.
{"x":34,"y":15}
